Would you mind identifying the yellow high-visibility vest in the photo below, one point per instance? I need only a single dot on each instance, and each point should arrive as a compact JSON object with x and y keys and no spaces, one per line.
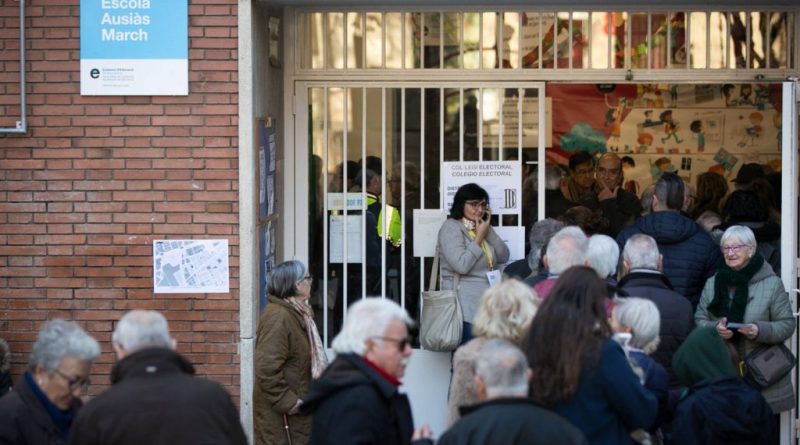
{"x":395,"y":223}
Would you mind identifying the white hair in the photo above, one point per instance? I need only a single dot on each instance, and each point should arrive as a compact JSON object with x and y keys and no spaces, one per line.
{"x":367,"y":318}
{"x":552,"y":176}
{"x":140,"y":329}
{"x":603,"y":255}
{"x":743,"y":234}
{"x":642,"y":316}
{"x":503,"y":369}
{"x":641,"y":252}
{"x":566,"y":248}
{"x":59,"y":339}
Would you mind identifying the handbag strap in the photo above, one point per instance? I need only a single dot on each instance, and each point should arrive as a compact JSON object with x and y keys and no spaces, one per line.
{"x":435,"y":273}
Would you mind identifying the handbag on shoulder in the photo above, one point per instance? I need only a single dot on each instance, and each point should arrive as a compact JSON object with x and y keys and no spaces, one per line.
{"x":441,"y":319}
{"x":767,"y":364}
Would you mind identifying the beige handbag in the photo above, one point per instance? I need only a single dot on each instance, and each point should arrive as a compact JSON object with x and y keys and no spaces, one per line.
{"x":441,"y":320}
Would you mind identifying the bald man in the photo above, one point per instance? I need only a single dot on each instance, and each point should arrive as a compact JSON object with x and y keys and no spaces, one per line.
{"x":619,"y":206}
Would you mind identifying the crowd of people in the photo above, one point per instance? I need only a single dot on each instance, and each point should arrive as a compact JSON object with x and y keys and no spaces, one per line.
{"x":627,"y":325}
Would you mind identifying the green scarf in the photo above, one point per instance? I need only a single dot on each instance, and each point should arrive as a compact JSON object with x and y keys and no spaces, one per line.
{"x":726,"y":278}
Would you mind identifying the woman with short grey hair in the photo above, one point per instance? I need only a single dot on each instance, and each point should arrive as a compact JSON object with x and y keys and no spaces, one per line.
{"x":289,"y":353}
{"x":40,"y":409}
{"x":747,"y":304}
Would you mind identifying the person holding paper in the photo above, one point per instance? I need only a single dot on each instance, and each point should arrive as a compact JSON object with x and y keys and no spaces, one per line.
{"x":470,"y":248}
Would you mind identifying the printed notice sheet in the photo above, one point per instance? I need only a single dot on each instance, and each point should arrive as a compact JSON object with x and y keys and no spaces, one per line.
{"x":190,"y":266}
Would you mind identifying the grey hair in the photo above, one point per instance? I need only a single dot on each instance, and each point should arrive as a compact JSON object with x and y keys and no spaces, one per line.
{"x":503,"y":369}
{"x":59,"y":339}
{"x":505,"y":310}
{"x":284,"y":277}
{"x":552,"y":176}
{"x":540,"y":235}
{"x":740,"y":233}
{"x":367,"y":318}
{"x":641,"y":252}
{"x":647,"y":199}
{"x":642,"y":316}
{"x":603,"y":255}
{"x":566,"y":248}
{"x":140,"y":329}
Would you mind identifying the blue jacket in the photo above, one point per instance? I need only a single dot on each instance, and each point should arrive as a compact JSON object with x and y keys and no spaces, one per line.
{"x":723,"y":410}
{"x":610,"y":402}
{"x":690,"y":255}
{"x":656,"y":380}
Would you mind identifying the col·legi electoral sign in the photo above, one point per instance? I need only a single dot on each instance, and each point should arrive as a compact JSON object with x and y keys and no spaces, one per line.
{"x":134,"y":47}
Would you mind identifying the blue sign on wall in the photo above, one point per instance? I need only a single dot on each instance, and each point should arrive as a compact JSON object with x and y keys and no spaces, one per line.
{"x":134,"y":47}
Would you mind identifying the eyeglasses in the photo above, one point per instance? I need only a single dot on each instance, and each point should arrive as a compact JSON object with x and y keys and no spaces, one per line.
{"x":481,"y":204}
{"x":584,"y":172}
{"x":74,"y":383}
{"x":607,"y":171}
{"x":401,"y":343}
{"x":733,"y":248}
{"x":308,"y":278}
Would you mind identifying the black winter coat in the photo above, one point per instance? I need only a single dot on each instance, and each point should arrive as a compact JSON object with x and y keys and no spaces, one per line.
{"x":25,"y":421}
{"x":722,"y":411}
{"x":690,"y":255}
{"x":677,"y":316}
{"x":511,"y":421}
{"x":353,"y":404}
{"x":156,"y":400}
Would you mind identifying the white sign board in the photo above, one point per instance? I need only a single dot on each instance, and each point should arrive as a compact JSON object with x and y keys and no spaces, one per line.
{"x":190,"y":266}
{"x":355,"y":201}
{"x":336,"y":228}
{"x":134,"y":47}
{"x":502,"y":180}
{"x":512,"y":125}
{"x":514,"y":237}
{"x":426,"y":230}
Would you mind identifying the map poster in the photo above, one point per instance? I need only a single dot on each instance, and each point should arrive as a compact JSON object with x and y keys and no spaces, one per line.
{"x":190,"y":266}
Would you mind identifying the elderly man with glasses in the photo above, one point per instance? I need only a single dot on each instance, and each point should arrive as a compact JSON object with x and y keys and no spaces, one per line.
{"x":356,"y":400}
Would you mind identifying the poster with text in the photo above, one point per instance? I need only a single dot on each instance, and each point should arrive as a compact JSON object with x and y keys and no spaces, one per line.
{"x":502,"y":180}
{"x":134,"y":47}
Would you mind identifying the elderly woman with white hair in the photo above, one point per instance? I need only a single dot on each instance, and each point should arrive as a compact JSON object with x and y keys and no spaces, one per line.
{"x":289,"y":353}
{"x":505,"y":312}
{"x":636,"y":323}
{"x":747,"y":304}
{"x":40,"y":409}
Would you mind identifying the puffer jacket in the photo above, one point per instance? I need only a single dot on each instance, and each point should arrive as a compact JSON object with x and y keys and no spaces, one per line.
{"x":690,"y":255}
{"x":769,"y":308}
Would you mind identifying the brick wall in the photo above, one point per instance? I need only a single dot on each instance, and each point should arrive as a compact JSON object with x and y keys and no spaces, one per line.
{"x":96,"y":179}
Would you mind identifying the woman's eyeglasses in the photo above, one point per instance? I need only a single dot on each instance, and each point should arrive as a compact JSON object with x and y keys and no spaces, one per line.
{"x":733,"y":248}
{"x":478,"y":204}
{"x":74,"y":383}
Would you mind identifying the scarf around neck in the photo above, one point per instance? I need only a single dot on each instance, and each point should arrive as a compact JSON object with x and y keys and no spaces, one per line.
{"x":319,"y":361}
{"x":722,"y":305}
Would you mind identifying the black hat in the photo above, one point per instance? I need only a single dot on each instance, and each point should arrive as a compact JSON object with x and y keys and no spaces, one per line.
{"x":749,"y":173}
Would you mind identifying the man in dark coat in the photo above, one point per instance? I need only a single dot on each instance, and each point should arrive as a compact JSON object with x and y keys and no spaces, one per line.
{"x":155,"y":398}
{"x":506,"y":415}
{"x":641,"y":266}
{"x":619,"y":206}
{"x":356,"y":400}
{"x":690,"y":256}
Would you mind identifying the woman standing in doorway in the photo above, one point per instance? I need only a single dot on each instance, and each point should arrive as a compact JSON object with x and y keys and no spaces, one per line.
{"x":470,"y":250}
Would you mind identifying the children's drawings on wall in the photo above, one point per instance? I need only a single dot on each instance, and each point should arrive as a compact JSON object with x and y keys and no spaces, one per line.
{"x":680,"y":128}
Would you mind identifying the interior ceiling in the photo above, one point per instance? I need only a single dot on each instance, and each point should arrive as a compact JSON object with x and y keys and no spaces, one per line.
{"x":592,"y":4}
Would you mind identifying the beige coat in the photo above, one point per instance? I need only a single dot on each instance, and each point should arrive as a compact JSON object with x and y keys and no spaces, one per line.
{"x":283,"y":375}
{"x":462,"y":385}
